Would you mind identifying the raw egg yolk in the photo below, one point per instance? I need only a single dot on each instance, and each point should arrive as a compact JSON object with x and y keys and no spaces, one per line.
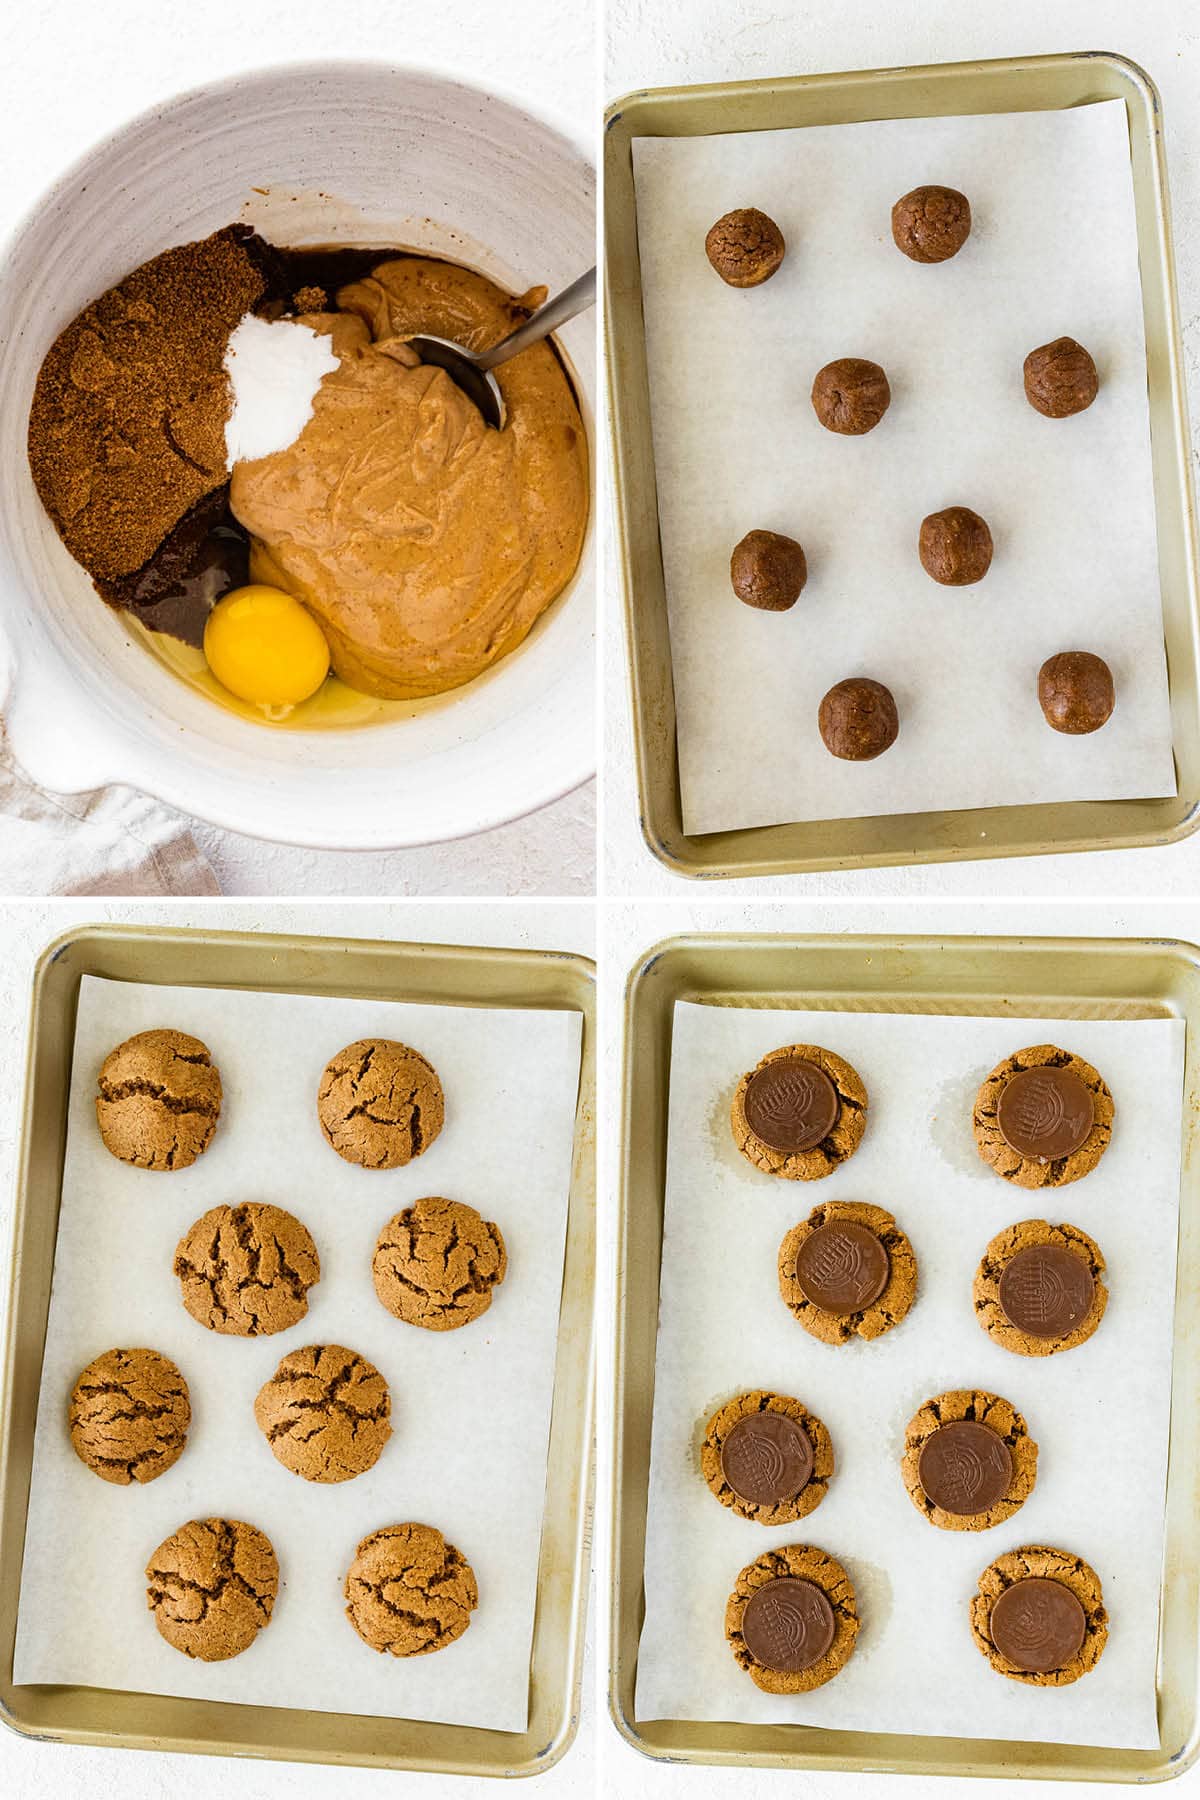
{"x":264,"y":647}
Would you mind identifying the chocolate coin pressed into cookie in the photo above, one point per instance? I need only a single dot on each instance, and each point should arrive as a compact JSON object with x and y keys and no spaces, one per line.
{"x":1038,"y":1625}
{"x":799,"y":1113}
{"x":1046,"y":1291}
{"x":1043,"y":1117}
{"x":1045,"y":1113}
{"x":969,"y":1462}
{"x":842,"y":1267}
{"x":788,"y":1625}
{"x":767,"y":1458}
{"x":1039,"y":1616}
{"x":965,"y":1468}
{"x":790,"y":1105}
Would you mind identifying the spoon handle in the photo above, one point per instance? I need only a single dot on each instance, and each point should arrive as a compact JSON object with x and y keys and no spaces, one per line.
{"x":574,"y":299}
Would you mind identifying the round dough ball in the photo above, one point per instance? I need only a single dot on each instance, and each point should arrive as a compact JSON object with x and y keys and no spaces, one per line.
{"x":408,"y":1591}
{"x":850,"y":395}
{"x":768,"y":570}
{"x":745,"y":247}
{"x":1075,"y":689}
{"x":159,"y":1100}
{"x":955,"y":546}
{"x":858,"y":719}
{"x":380,"y":1103}
{"x":931,"y":224}
{"x":1060,"y":379}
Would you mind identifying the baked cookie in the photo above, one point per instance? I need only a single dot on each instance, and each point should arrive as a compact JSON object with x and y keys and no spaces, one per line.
{"x":1075,"y":692}
{"x":931,"y":224}
{"x":1043,"y":1117}
{"x":1060,"y":379}
{"x":1039,"y":1288}
{"x":212,"y":1586}
{"x":851,"y":395}
{"x":380,"y":1103}
{"x":246,"y":1270}
{"x":791,"y":1619}
{"x":847,"y":1271}
{"x":129,"y":1415}
{"x":1039,"y":1616}
{"x":745,"y":247}
{"x":858,"y":719}
{"x":437,"y":1262}
{"x":767,"y":1458}
{"x":409,"y":1592}
{"x":159,"y":1100}
{"x":325,"y":1413}
{"x":768,"y":571}
{"x":969,"y":1461}
{"x":799,"y":1113}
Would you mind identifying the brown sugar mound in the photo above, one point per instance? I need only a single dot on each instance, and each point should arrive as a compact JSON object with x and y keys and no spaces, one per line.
{"x":325,"y":1413}
{"x":127,"y":427}
{"x":409,"y":1592}
{"x":129,"y":1415}
{"x":246,"y":1270}
{"x":212,"y":1587}
{"x":159,"y":1100}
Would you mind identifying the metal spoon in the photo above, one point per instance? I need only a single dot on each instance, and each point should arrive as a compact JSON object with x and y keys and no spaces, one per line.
{"x":472,"y":369}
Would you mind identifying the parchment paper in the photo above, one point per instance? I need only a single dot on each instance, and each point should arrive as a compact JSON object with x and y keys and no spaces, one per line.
{"x":470,"y":1408}
{"x":1052,"y":252}
{"x":1099,"y":1412}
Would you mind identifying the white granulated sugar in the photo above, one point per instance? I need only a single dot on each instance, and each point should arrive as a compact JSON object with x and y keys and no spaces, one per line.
{"x":275,"y":369}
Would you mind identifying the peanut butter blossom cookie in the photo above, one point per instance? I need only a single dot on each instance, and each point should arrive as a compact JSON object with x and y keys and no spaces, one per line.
{"x":791,"y":1620}
{"x":847,"y":1271}
{"x":212,"y":1586}
{"x":799,"y":1113}
{"x":409,"y":1592}
{"x":437,"y":1263}
{"x":325,"y":1412}
{"x":380,"y":1103}
{"x":767,"y":1458}
{"x":246,"y":1270}
{"x":1038,"y":1288}
{"x":969,"y":1461}
{"x":1043,"y":1117}
{"x":129,"y":1415}
{"x":1039,"y":1616}
{"x":159,"y":1100}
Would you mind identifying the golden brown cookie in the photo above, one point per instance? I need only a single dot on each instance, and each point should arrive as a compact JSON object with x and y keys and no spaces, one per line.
{"x":847,"y":1271}
{"x":246,"y":1270}
{"x":437,"y":1262}
{"x":1039,"y":1288}
{"x":159,"y":1100}
{"x":129,"y":1415}
{"x":799,"y":1113}
{"x":1043,"y":1117}
{"x":767,"y":1458}
{"x":212,"y":1585}
{"x":409,"y":1592}
{"x":791,"y":1619}
{"x":380,"y":1103}
{"x":969,"y":1461}
{"x":1028,"y":1627}
{"x":325,"y":1413}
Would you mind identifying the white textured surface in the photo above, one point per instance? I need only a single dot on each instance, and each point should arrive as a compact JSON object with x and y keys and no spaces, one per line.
{"x":651,"y":45}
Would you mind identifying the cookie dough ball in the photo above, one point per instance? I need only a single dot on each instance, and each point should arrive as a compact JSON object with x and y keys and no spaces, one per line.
{"x":159,"y":1100}
{"x":969,"y":1462}
{"x":1039,"y":1616}
{"x":1043,"y":1117}
{"x":246,"y":1270}
{"x":1075,"y":691}
{"x":931,"y":224}
{"x":791,"y":1620}
{"x":325,"y":1413}
{"x":745,"y":247}
{"x":955,"y":546}
{"x":212,"y":1587}
{"x":767,"y":1458}
{"x":436,"y":1264}
{"x":768,"y":571}
{"x":799,"y":1113}
{"x":858,"y":720}
{"x":1039,"y":1288}
{"x":847,"y":1271}
{"x":851,"y":395}
{"x":1060,"y":379}
{"x":380,"y":1103}
{"x":409,"y":1592}
{"x":129,"y":1415}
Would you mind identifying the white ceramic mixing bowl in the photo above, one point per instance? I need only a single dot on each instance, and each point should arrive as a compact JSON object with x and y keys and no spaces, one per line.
{"x":347,"y":152}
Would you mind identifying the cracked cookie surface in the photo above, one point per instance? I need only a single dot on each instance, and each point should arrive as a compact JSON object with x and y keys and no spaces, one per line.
{"x":212,"y":1586}
{"x":840,"y":1141}
{"x":978,"y":1407}
{"x":159,"y":1100}
{"x":437,"y":1263}
{"x":409,"y":1592}
{"x":380,"y":1103}
{"x":1032,"y":1171}
{"x":881,"y":1313}
{"x":325,"y":1413}
{"x":129,"y":1415}
{"x":1041,"y":1562}
{"x":1037,"y":1234}
{"x":796,"y":1562}
{"x":246,"y":1270}
{"x":769,"y":1466}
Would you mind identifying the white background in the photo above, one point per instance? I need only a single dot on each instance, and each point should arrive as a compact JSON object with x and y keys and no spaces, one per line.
{"x":75,"y":69}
